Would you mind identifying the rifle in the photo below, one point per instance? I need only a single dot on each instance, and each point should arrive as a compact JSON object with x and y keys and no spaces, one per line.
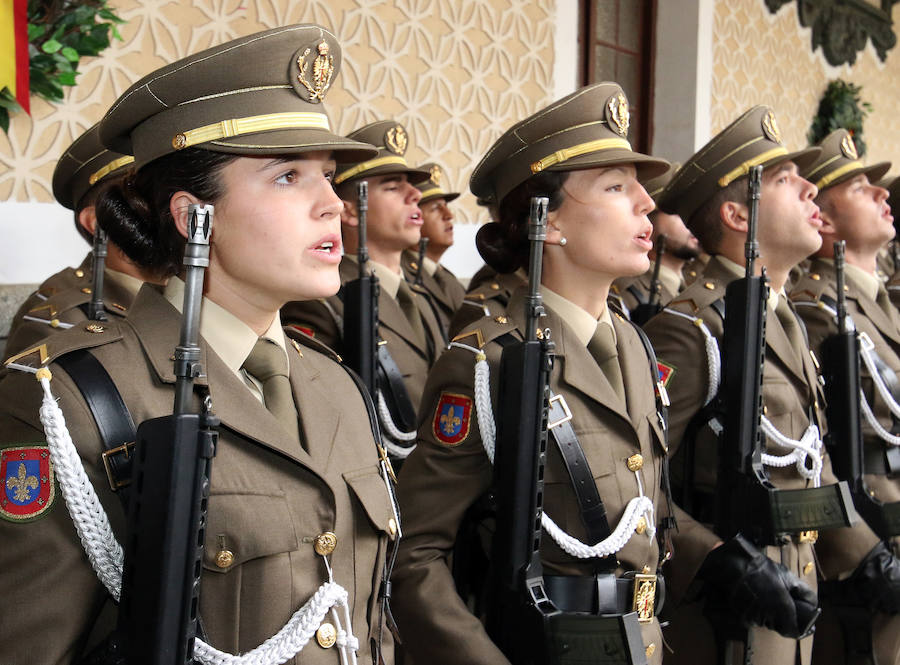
{"x":841,"y":369}
{"x":522,"y":620}
{"x":646,"y":311}
{"x":423,"y":245}
{"x":96,"y":310}
{"x":746,"y":500}
{"x":158,"y":609}
{"x":519,"y":602}
{"x":361,"y":306}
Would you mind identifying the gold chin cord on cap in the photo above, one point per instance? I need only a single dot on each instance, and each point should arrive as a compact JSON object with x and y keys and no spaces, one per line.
{"x":576,"y":151}
{"x":109,"y":168}
{"x":250,"y":125}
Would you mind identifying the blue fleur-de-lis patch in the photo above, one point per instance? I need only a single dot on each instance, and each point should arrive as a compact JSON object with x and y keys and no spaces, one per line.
{"x":28,"y":487}
{"x":451,"y":418}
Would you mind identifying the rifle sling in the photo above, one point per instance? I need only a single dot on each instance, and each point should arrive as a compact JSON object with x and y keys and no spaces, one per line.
{"x":637,"y":294}
{"x":394,"y":390}
{"x":590,"y":505}
{"x":110,"y":414}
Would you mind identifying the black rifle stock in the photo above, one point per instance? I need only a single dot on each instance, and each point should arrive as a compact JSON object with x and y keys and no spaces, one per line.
{"x":158,"y":609}
{"x":361,"y":306}
{"x":96,"y":309}
{"x":841,"y":369}
{"x":646,"y":311}
{"x":518,"y":603}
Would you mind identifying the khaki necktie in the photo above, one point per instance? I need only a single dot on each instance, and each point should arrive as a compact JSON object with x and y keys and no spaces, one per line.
{"x":407,"y":301}
{"x":268,"y":364}
{"x":603,"y":347}
{"x":791,"y":327}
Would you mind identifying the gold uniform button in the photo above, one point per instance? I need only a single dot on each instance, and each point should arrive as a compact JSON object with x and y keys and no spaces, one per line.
{"x":326,"y":636}
{"x":650,"y":650}
{"x":709,"y":285}
{"x":325,"y":543}
{"x":641,"y":526}
{"x":635,"y":462}
{"x":392,"y":527}
{"x":815,"y":276}
{"x":79,"y":273}
{"x":495,"y":286}
{"x":224,"y":558}
{"x":86,"y":291}
{"x":94,"y":328}
{"x":807,"y":569}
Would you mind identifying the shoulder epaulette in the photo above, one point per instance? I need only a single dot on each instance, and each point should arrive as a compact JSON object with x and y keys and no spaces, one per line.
{"x":85,"y":335}
{"x":299,"y":337}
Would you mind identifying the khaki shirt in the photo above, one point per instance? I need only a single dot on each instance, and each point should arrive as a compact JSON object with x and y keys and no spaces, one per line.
{"x":269,"y":497}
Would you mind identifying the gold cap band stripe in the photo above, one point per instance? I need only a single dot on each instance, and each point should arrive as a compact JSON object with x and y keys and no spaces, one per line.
{"x":837,"y":173}
{"x":744,"y":168}
{"x":365,"y":166}
{"x":250,"y":125}
{"x":576,"y":151}
{"x":434,"y":191}
{"x":109,"y":168}
{"x":828,"y":162}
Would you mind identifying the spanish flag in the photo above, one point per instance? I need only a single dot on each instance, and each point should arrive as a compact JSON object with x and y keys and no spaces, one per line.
{"x":14,"y":49}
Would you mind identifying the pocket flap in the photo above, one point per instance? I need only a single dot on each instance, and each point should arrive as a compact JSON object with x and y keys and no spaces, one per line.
{"x":368,"y":486}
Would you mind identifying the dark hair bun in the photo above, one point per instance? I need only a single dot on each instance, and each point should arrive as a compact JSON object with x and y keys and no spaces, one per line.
{"x":495,"y":248}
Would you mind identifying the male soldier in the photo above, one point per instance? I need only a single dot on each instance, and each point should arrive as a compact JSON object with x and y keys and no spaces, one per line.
{"x":681,"y":247}
{"x":855,"y":211}
{"x":893,"y":187}
{"x":710,"y":193}
{"x":61,"y":301}
{"x":406,"y":323}
{"x":444,"y":291}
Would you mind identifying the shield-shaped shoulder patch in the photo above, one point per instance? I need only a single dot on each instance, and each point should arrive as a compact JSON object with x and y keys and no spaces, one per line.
{"x":28,"y":484}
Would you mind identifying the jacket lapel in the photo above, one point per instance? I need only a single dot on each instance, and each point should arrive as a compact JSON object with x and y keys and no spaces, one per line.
{"x":778,"y":341}
{"x":158,"y":327}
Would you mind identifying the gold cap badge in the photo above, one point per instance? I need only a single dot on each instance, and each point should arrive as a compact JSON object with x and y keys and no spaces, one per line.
{"x":770,"y":127}
{"x":436,"y":174}
{"x":322,"y":71}
{"x":848,"y":147}
{"x":396,"y":140}
{"x":618,"y":116}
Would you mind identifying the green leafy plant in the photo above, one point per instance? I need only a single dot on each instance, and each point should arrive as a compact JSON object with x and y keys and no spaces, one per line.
{"x":841,"y":107}
{"x":60,"y":33}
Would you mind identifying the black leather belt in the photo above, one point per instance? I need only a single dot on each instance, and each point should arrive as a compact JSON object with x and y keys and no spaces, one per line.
{"x":607,"y":594}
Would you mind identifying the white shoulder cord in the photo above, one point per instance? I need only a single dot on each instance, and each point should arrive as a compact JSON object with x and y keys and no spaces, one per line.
{"x":394,"y":432}
{"x":640,"y":507}
{"x":713,"y":359}
{"x":866,"y":348}
{"x":106,"y":555}
{"x":809,"y":445}
{"x":50,"y":322}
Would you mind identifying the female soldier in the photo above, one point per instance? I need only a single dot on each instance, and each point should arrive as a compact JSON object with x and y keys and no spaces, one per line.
{"x":607,"y":432}
{"x":297,"y":497}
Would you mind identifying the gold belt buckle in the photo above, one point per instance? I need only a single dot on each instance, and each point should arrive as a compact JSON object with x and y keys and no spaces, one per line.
{"x":125,"y":448}
{"x":808,"y":537}
{"x":644,"y":596}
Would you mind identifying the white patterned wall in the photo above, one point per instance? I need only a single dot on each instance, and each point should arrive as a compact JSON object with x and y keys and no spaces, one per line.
{"x":455,"y":72}
{"x":764,"y":58}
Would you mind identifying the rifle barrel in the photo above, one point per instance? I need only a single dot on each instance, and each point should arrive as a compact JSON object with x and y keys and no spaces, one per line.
{"x":537,"y":233}
{"x":362,"y":201}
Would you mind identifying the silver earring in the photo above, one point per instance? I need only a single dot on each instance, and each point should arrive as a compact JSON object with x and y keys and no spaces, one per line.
{"x":563,"y":241}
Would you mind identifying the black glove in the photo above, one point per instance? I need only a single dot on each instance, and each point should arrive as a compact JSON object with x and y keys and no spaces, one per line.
{"x":742,"y":583}
{"x":876,"y":581}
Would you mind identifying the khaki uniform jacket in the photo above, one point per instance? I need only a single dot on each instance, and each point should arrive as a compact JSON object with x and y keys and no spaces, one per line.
{"x":489,"y":298}
{"x":323,"y":319}
{"x":884,"y":331}
{"x":881,"y":327}
{"x":63,"y":306}
{"x":790,"y":389}
{"x":269,"y":498}
{"x":445,"y":292}
{"x":439,"y":482}
{"x":623,"y":286}
{"x":893,"y":289}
